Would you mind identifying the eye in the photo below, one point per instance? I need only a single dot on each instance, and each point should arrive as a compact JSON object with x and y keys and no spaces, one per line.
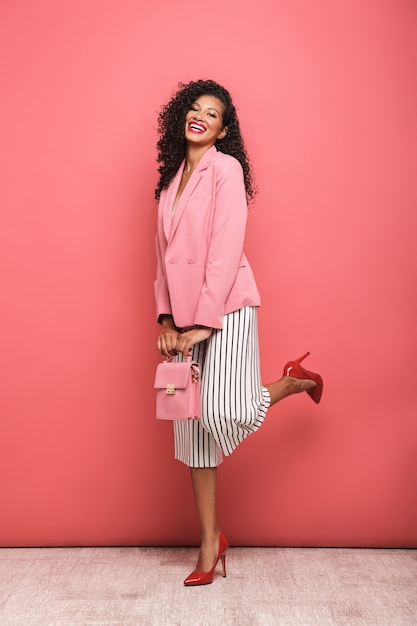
{"x":193,"y":107}
{"x":212,"y":115}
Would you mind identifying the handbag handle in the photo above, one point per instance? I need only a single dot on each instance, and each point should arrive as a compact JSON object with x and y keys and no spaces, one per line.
{"x":188,"y":358}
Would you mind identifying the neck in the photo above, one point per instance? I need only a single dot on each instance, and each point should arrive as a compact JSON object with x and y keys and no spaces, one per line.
{"x":193,"y":155}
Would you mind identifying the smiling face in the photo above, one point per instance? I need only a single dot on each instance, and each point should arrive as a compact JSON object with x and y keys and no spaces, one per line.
{"x":204,"y":121}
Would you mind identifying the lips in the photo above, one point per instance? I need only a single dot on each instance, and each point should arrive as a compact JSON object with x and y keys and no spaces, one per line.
{"x":196,"y":127}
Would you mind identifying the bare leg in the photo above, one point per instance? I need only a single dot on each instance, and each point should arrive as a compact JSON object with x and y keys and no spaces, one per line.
{"x":204,"y":481}
{"x":286,"y":386}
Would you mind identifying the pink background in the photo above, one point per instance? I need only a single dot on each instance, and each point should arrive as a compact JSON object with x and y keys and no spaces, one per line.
{"x":327,"y":98}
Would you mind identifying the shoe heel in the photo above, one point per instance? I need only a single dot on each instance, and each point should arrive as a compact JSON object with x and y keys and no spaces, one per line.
{"x":223,"y":559}
{"x":302,"y":357}
{"x":293,"y":365}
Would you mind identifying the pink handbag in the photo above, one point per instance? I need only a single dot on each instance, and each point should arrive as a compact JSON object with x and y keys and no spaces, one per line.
{"x":177,"y":385}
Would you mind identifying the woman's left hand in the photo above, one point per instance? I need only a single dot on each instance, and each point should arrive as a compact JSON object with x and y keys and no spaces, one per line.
{"x":191,"y":337}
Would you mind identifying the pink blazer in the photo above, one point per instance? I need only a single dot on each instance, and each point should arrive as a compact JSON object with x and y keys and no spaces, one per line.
{"x":202,"y":272}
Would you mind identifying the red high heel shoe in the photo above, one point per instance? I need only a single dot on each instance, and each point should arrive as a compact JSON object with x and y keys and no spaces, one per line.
{"x":205,"y":578}
{"x":294,"y":369}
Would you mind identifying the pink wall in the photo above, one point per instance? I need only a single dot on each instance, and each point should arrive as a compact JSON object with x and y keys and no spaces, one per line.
{"x":328,"y":104}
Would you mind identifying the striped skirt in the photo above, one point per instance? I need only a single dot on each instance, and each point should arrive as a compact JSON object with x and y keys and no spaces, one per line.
{"x":233,"y":401}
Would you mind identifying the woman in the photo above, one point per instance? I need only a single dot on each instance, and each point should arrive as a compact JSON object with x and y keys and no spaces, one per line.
{"x":206,"y":295}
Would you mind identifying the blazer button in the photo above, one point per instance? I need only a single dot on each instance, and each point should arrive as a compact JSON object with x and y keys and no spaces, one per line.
{"x":191,"y":259}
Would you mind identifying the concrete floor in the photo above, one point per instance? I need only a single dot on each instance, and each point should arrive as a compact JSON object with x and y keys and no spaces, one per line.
{"x":264,"y":586}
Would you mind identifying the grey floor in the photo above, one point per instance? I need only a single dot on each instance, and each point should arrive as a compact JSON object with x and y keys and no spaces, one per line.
{"x":265,"y":586}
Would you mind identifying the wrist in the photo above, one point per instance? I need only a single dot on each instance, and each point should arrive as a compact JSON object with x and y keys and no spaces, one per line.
{"x":201,"y":327}
{"x":167,"y":322}
{"x":165,"y":317}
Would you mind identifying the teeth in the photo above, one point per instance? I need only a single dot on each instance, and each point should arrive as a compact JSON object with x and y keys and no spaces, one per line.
{"x":197,"y":127}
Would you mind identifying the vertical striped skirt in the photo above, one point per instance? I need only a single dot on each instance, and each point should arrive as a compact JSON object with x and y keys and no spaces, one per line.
{"x":233,"y":401}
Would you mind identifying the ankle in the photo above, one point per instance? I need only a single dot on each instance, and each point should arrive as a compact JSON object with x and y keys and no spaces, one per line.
{"x":209,"y":536}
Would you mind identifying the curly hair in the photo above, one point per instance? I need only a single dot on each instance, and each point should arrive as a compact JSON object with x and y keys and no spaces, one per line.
{"x":172,"y":144}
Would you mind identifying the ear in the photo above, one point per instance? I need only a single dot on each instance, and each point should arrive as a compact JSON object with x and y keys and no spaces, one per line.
{"x":222,"y":133}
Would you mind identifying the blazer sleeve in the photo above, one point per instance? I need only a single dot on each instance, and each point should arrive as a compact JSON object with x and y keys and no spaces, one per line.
{"x":225,"y":247}
{"x":162,"y":299}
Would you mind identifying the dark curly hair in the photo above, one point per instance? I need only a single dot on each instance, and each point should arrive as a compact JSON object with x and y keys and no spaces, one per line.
{"x":171,"y":145}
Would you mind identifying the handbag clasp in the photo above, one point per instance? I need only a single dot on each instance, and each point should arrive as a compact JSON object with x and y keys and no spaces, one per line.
{"x":170,"y":391}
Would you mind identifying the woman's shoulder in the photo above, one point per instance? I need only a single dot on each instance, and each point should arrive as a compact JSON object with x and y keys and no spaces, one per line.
{"x":226,"y":162}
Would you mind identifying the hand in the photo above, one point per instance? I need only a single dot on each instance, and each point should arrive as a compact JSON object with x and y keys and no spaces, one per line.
{"x":188,"y":339}
{"x":168,"y":338}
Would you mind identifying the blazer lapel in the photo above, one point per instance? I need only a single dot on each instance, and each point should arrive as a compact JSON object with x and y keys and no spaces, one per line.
{"x":189,"y":188}
{"x":169,"y":202}
{"x":182,"y":202}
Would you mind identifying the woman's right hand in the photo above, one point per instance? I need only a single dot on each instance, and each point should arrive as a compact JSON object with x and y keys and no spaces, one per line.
{"x":167,"y":340}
